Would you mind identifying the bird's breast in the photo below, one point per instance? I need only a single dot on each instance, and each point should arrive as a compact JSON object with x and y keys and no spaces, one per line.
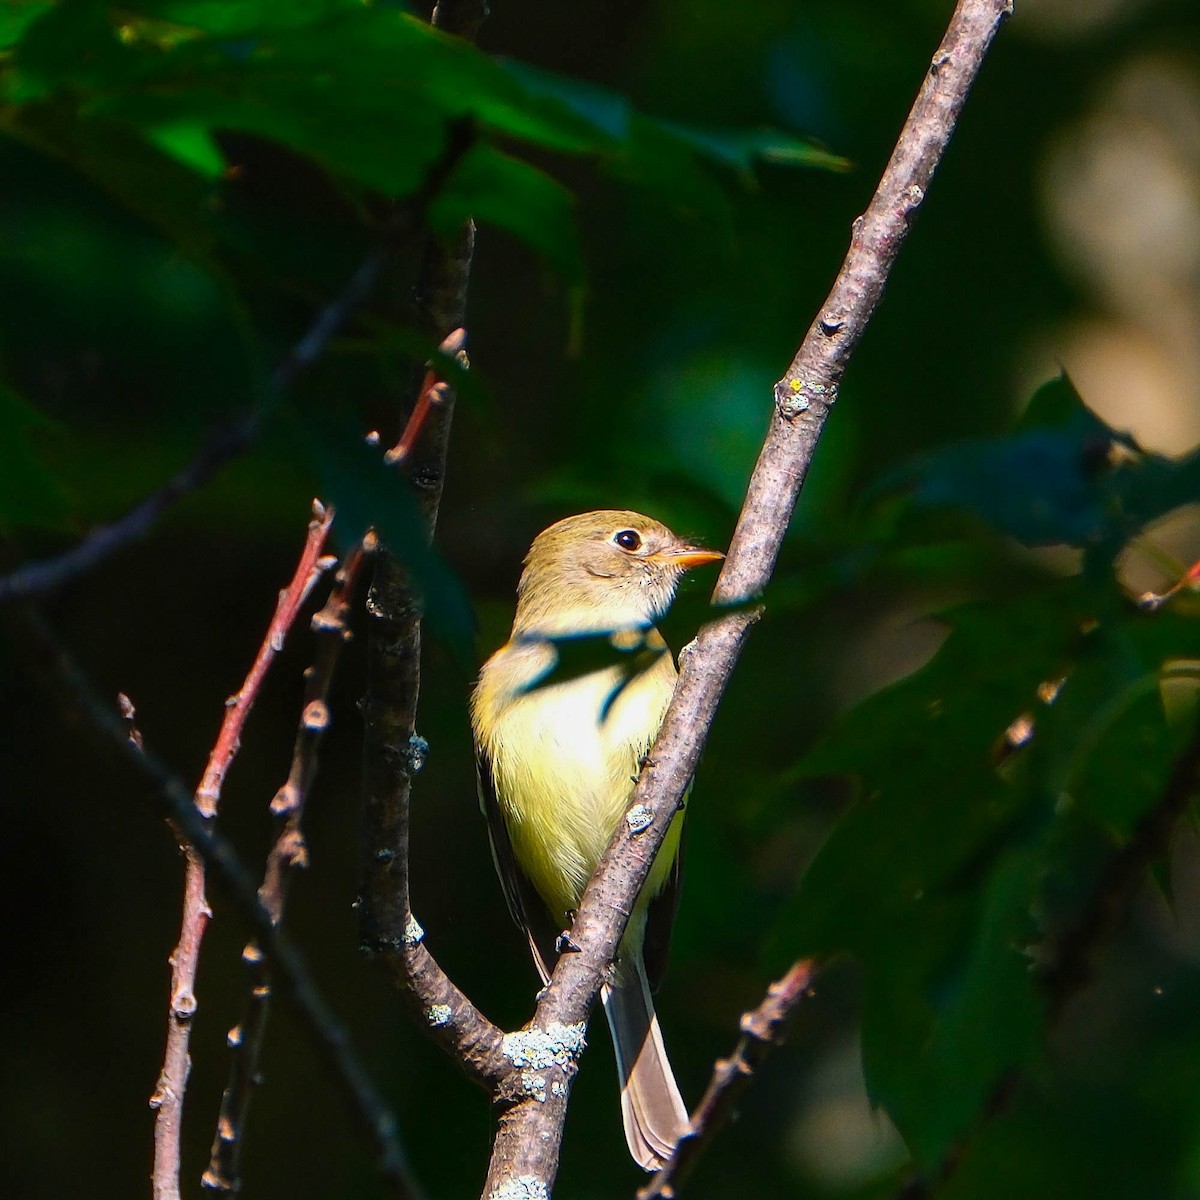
{"x":564,"y":758}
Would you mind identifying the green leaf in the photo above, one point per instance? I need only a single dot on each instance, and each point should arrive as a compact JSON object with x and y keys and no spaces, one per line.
{"x":364,"y":91}
{"x":1058,"y":405}
{"x":165,"y":195}
{"x":235,"y":18}
{"x":361,"y":88}
{"x":932,"y":878}
{"x":626,"y":653}
{"x":1039,"y":486}
{"x":1118,"y":1116}
{"x":190,"y":143}
{"x":949,"y":1007}
{"x":1062,"y":477}
{"x":929,"y":878}
{"x":1106,"y":744}
{"x":611,"y":114}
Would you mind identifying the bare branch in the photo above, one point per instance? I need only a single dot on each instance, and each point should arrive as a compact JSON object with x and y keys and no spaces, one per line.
{"x":309,"y":569}
{"x":393,"y":751}
{"x":430,"y":395}
{"x":762,"y":1028}
{"x":168,"y":1097}
{"x":528,"y":1143}
{"x":77,"y":694}
{"x":393,"y":754}
{"x":286,"y":855}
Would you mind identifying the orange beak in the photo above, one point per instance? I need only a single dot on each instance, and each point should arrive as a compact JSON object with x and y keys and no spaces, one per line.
{"x":686,"y":557}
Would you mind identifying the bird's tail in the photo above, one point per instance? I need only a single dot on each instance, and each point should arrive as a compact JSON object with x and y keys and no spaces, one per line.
{"x":651,"y":1106}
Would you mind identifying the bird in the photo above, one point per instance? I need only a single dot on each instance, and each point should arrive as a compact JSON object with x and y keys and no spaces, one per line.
{"x":563,"y":715}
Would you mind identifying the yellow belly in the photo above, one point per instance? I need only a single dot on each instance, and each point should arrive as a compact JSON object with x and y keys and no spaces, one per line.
{"x":565,"y":758}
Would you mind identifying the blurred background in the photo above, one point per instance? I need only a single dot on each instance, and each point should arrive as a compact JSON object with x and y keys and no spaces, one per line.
{"x":1063,"y":230}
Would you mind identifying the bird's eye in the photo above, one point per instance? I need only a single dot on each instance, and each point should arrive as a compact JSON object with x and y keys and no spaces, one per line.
{"x":628,"y":539}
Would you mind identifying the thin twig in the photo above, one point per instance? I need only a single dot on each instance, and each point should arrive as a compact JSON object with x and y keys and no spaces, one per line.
{"x":528,"y":1140}
{"x":331,"y":625}
{"x":432,"y":393}
{"x":168,"y":1098}
{"x":171,"y":1087}
{"x":762,"y":1028}
{"x":48,"y":575}
{"x":308,"y":571}
{"x":76,"y":694}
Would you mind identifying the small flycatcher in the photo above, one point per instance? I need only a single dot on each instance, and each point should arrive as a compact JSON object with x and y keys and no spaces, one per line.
{"x":558,"y":754}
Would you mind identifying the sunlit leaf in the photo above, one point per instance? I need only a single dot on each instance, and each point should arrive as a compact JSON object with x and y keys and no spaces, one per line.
{"x":191,"y":144}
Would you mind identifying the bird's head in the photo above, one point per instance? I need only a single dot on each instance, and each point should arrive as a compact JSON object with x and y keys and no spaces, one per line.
{"x":602,"y":571}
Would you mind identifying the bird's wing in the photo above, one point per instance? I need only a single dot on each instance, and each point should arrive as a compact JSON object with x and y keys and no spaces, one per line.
{"x":524,"y":903}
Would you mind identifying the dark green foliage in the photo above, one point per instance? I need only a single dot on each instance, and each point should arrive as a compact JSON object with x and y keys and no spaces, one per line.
{"x":183,"y":185}
{"x":152,"y":105}
{"x":1062,"y":477}
{"x":1043,"y":723}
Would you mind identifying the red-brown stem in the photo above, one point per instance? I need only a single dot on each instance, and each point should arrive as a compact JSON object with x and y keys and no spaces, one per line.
{"x":331,"y":625}
{"x":762,"y":1028}
{"x":168,"y":1096}
{"x":309,"y":569}
{"x":432,"y":393}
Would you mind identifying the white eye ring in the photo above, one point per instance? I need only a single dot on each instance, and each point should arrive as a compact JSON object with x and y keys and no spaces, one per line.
{"x":628,"y":539}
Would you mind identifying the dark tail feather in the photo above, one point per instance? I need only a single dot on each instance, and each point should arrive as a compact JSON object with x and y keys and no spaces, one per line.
{"x":651,"y":1107}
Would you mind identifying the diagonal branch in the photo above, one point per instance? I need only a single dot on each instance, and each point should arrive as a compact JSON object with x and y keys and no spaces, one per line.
{"x":527,"y":1144}
{"x":309,"y":570}
{"x":77,"y":694}
{"x":762,"y":1028}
